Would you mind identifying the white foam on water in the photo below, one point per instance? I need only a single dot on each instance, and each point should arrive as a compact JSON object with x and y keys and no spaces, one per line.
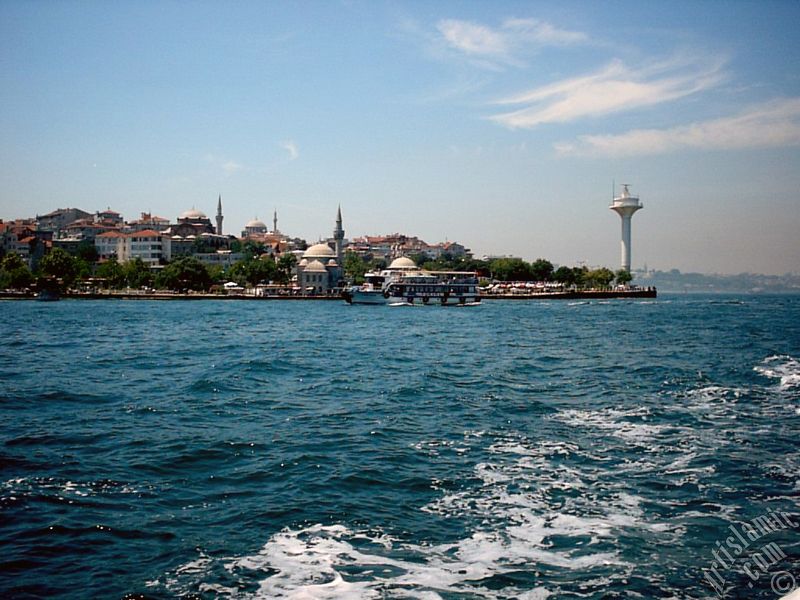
{"x":783,"y":367}
{"x":33,"y":486}
{"x":313,"y":562}
{"x":615,"y":422}
{"x":516,"y":526}
{"x":713,"y":398}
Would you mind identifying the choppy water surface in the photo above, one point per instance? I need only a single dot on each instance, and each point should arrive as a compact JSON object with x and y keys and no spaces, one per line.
{"x":318,"y":450}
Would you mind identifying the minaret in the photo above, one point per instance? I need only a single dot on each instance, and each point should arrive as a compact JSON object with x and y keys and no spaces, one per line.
{"x":625,"y":205}
{"x":219,"y":215}
{"x":275,"y":221}
{"x":338,"y":236}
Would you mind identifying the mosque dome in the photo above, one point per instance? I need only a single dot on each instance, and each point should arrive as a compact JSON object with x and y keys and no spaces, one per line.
{"x":193,"y":214}
{"x":256,"y":224}
{"x":319,"y":251}
{"x":315,"y":267}
{"x":303,"y":263}
{"x":403,"y":263}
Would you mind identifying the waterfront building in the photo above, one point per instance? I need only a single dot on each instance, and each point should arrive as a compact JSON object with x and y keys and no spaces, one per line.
{"x":147,"y":245}
{"x":204,"y":243}
{"x":107,"y":245}
{"x":451,"y":249}
{"x":318,"y":272}
{"x":148,"y":221}
{"x":275,"y":242}
{"x":192,"y":222}
{"x":58,"y":219}
{"x":320,"y":268}
{"x":395,"y":245}
{"x":254,"y":229}
{"x":86,"y":229}
{"x":108,"y":217}
{"x":23,"y":237}
{"x":220,"y":258}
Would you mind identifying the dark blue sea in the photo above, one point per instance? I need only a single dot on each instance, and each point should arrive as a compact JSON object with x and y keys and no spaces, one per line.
{"x":268,"y":449}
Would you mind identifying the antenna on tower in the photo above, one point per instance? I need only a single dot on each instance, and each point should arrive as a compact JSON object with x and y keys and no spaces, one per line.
{"x":613,"y":189}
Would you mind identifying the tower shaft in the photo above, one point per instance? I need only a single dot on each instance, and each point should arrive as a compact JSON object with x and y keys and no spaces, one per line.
{"x":626,"y":242}
{"x":219,"y":215}
{"x":338,"y":236}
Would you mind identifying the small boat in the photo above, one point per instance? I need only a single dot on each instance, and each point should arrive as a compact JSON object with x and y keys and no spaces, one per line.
{"x":404,"y":283}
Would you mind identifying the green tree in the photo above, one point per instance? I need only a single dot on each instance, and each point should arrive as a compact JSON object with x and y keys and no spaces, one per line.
{"x":420,"y":259}
{"x":83,"y":268}
{"x":354,"y":267}
{"x":60,"y":265}
{"x":286,"y":264}
{"x":601,"y":277}
{"x":14,"y":272}
{"x":217,"y":273}
{"x":137,"y":273}
{"x":253,"y":270}
{"x":201,"y":245}
{"x":510,"y":269}
{"x":542,"y":270}
{"x":251,"y":249}
{"x":112,"y":272}
{"x":580,"y":275}
{"x":377,"y":264}
{"x":87,"y":252}
{"x":564,"y":275}
{"x":624,"y":277}
{"x":185,"y":273}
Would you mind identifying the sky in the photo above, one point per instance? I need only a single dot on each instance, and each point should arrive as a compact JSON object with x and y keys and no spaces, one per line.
{"x":501,"y":125}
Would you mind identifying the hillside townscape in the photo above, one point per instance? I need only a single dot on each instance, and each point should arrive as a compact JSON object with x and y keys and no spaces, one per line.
{"x":75,"y":249}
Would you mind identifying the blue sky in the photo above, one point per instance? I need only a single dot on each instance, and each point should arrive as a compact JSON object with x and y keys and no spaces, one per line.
{"x":501,"y":125}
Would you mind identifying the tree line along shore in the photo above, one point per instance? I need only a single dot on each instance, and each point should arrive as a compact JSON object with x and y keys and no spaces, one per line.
{"x":80,"y":275}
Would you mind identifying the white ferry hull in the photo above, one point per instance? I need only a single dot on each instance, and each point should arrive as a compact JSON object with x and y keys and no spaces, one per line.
{"x":356,"y":296}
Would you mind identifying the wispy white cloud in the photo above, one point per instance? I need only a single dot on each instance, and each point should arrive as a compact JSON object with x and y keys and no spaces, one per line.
{"x":542,"y":33}
{"x":230,"y":167}
{"x":291,"y":148}
{"x":612,"y":89}
{"x":473,"y":38}
{"x":227,"y":165}
{"x":772,"y":124}
{"x":493,"y":45}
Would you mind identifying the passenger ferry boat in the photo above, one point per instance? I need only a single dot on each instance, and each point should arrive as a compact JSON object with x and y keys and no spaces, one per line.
{"x":405,"y":283}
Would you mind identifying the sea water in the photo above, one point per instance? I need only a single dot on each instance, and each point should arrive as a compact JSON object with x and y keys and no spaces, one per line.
{"x":516,"y":449}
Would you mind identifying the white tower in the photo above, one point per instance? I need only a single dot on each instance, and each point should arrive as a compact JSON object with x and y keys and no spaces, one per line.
{"x":625,"y":205}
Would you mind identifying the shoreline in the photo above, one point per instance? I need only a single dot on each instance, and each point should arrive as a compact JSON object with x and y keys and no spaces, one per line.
{"x":584,"y":295}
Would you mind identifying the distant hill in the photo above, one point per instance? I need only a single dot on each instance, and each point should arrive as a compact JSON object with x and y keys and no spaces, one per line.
{"x":675,"y":281}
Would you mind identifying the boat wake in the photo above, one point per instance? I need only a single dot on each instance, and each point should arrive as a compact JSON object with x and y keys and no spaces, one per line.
{"x":784,"y":368}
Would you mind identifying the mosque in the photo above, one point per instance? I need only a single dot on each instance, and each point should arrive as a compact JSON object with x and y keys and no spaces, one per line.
{"x":321,"y":268}
{"x":256,"y":228}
